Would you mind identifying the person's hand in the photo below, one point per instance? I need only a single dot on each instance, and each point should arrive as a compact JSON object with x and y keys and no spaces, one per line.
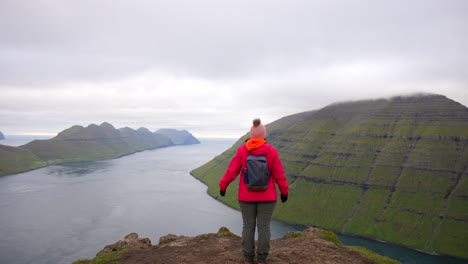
{"x":284,"y":198}
{"x":223,"y":193}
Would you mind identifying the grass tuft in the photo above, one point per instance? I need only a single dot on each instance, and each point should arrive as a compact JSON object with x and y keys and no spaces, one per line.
{"x":379,"y":259}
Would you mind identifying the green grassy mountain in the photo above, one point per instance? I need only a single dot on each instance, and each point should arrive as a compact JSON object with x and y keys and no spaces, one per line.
{"x":392,"y":170}
{"x":14,"y":160}
{"x":80,"y":143}
{"x":179,"y":137}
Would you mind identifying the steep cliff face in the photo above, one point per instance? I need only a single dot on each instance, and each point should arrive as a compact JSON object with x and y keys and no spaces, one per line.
{"x":394,"y":170}
{"x":311,"y":246}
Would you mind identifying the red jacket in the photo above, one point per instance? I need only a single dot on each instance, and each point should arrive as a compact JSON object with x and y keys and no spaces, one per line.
{"x":238,"y":162}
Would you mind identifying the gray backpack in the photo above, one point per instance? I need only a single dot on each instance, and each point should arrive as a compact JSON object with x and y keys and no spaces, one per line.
{"x":256,"y":175}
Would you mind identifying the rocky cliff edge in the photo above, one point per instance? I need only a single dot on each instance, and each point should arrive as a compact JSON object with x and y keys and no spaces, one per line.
{"x":310,"y":246}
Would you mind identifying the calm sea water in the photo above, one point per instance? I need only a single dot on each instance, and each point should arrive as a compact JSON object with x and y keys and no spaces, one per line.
{"x":62,"y":213}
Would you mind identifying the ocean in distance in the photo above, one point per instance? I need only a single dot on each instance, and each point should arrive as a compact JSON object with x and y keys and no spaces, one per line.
{"x":65,"y":212}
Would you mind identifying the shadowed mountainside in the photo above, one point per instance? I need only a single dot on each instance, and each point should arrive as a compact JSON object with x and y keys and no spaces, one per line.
{"x":1,"y":135}
{"x":310,"y":246}
{"x":80,"y":143}
{"x":392,"y":170}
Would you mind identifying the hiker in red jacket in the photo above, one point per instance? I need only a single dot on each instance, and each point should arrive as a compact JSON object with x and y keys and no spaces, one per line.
{"x":256,"y":206}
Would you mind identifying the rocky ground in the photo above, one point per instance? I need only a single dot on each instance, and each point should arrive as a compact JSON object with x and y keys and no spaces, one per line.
{"x":310,"y":246}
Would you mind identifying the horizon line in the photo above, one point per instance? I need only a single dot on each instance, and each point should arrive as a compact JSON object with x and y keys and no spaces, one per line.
{"x":44,"y":134}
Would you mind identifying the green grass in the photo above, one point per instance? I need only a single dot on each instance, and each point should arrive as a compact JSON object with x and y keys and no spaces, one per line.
{"x":384,"y":175}
{"x":293,"y":168}
{"x":314,"y":205}
{"x":364,"y":223}
{"x":224,"y":231}
{"x":14,"y":160}
{"x":387,"y":158}
{"x":462,"y":187}
{"x":433,"y":153}
{"x":416,"y":229}
{"x":419,"y":201}
{"x":460,"y":166}
{"x":339,"y":173}
{"x":405,"y":127}
{"x":424,"y":180}
{"x":457,"y":207}
{"x":330,"y":236}
{"x":357,"y":175}
{"x":398,"y":146}
{"x":111,"y":257}
{"x":379,"y":259}
{"x":343,"y":158}
{"x":318,"y":171}
{"x":451,"y":238}
{"x":440,"y":128}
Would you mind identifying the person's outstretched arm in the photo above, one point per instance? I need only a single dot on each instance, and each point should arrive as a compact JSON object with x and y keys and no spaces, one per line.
{"x":232,"y":172}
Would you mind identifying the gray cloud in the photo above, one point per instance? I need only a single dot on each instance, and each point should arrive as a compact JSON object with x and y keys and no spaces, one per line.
{"x":213,"y":65}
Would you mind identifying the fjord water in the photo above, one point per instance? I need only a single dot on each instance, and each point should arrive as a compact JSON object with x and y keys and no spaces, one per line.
{"x":62,"y":213}
{"x":66,"y":212}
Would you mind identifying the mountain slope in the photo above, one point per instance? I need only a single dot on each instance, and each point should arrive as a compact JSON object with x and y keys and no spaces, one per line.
{"x":1,"y":135}
{"x":90,"y":143}
{"x":393,"y":170}
{"x":80,"y":143}
{"x":13,"y":160}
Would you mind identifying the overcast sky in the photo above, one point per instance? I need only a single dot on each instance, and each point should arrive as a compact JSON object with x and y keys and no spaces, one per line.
{"x":211,"y":66}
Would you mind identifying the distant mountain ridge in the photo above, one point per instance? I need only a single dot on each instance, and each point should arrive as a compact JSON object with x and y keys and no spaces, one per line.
{"x":1,"y":135}
{"x":79,"y":143}
{"x":182,"y":137}
{"x":392,"y":169}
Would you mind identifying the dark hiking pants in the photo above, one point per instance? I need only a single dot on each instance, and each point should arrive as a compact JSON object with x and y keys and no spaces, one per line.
{"x":256,"y":214}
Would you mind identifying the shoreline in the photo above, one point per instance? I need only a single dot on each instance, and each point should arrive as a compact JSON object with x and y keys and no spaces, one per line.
{"x":65,"y":162}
